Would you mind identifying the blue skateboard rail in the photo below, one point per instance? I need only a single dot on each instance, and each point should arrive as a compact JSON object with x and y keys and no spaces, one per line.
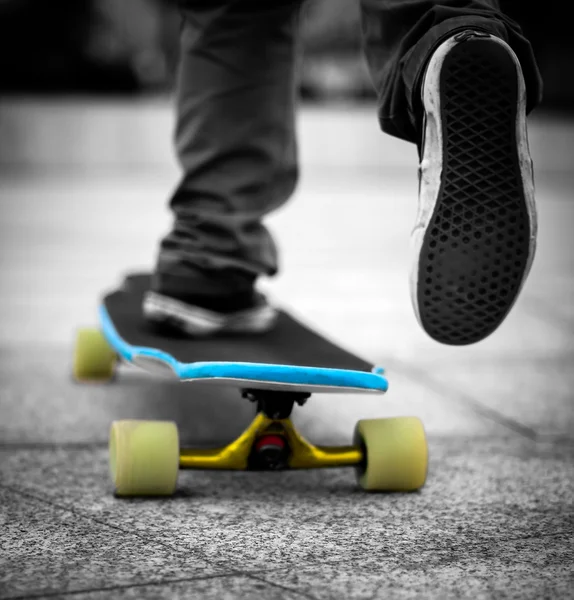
{"x":258,"y":372}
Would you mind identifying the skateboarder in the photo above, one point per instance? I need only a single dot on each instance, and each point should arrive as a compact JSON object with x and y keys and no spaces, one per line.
{"x":456,"y":78}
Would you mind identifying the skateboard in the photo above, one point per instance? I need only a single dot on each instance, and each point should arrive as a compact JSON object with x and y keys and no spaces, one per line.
{"x":276,"y":370}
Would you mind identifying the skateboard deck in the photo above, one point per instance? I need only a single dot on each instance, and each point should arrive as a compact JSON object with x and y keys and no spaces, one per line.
{"x":291,"y":357}
{"x":277,"y":370}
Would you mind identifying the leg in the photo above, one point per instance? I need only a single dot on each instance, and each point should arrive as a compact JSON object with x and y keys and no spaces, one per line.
{"x":458,"y":78}
{"x":236,"y":145}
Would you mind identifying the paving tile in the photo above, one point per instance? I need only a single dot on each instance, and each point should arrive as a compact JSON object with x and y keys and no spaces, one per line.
{"x":331,"y":419}
{"x":478,"y":491}
{"x":535,"y":394}
{"x":224,"y":588}
{"x":526,"y":568}
{"x":47,"y":549}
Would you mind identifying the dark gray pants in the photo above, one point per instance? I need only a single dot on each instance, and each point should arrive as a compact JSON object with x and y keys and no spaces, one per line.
{"x":235,"y":132}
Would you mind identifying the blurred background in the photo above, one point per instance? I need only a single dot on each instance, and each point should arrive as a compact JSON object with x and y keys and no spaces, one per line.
{"x":86,"y":132}
{"x":87,"y":166}
{"x":86,"y":127}
{"x":108,"y":47}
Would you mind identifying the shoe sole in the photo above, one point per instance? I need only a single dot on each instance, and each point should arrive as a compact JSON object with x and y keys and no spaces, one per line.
{"x":475,"y":237}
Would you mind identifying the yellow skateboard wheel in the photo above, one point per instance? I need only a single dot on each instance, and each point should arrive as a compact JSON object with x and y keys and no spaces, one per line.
{"x":94,"y":359}
{"x":144,"y":457}
{"x":395,"y":454}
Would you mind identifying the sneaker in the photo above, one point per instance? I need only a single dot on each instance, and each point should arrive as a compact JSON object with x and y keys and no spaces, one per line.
{"x":475,"y":234}
{"x":203,"y":316}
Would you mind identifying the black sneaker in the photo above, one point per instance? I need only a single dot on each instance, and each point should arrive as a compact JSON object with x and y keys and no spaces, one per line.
{"x":201,"y":316}
{"x":475,"y":234}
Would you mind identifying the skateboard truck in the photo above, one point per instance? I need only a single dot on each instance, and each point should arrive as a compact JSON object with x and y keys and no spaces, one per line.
{"x":274,"y":404}
{"x":387,"y":454}
{"x":271,"y":449}
{"x":271,"y":441}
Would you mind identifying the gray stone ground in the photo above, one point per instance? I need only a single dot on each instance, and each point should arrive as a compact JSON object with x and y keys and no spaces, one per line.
{"x":496,"y":518}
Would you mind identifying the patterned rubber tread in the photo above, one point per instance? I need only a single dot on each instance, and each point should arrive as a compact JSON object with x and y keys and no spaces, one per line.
{"x":476,"y":247}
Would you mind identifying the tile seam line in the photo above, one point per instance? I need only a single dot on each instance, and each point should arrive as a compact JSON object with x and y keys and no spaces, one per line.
{"x":211,"y":562}
{"x":282,"y":587}
{"x":51,"y":594}
{"x":450,"y":394}
{"x":255,"y":575}
{"x":75,"y":512}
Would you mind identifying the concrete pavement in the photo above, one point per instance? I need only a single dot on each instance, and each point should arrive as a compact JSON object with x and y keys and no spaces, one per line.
{"x":496,"y":518}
